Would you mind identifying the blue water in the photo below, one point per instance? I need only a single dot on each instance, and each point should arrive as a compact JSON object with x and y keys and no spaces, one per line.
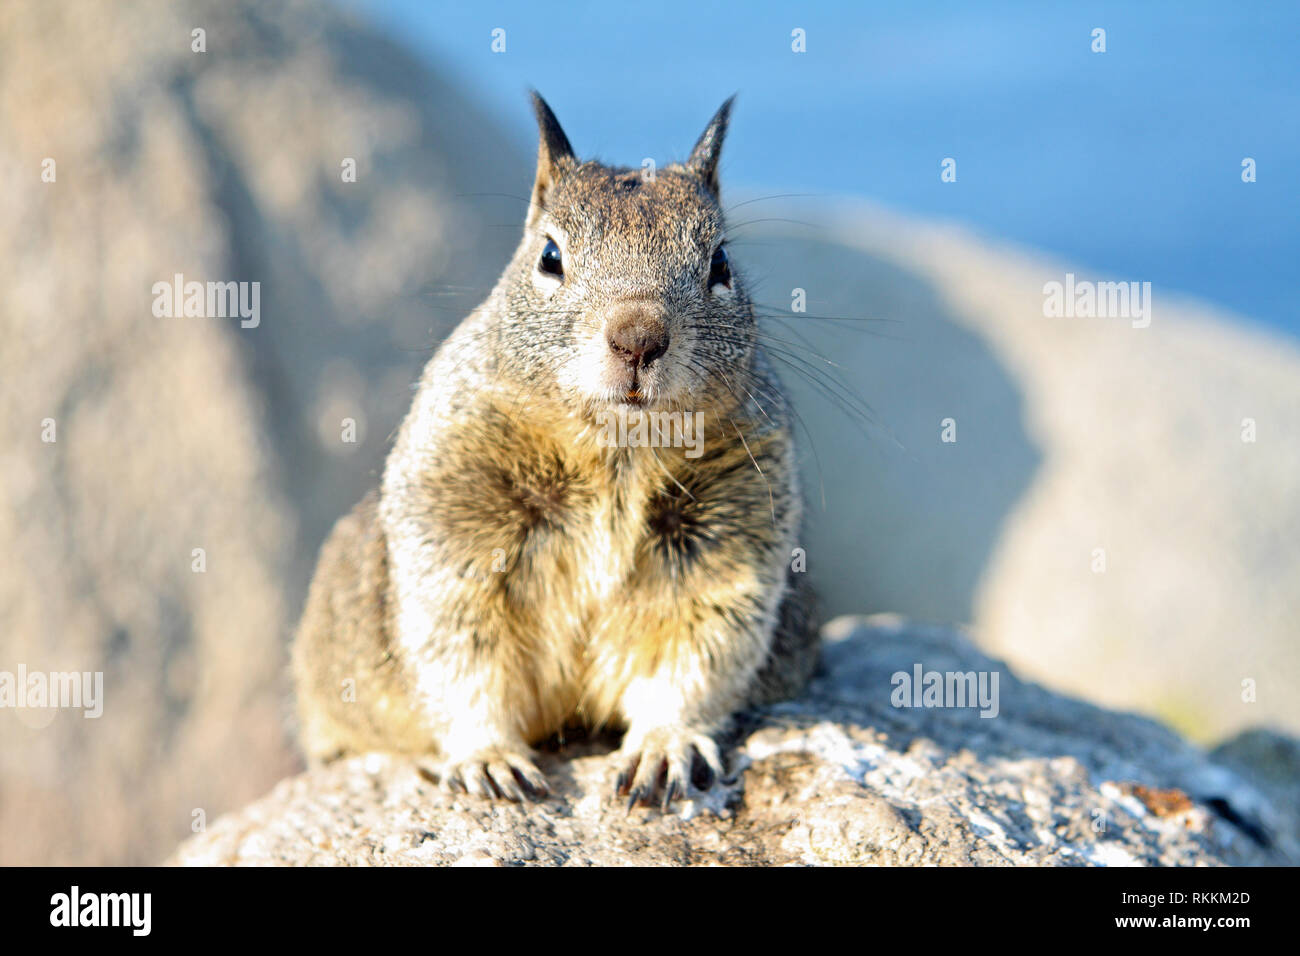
{"x":1125,"y":163}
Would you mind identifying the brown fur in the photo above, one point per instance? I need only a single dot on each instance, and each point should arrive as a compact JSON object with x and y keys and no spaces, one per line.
{"x":515,"y":572}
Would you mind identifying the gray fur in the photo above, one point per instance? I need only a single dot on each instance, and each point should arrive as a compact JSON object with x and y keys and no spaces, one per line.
{"x":514,"y":573}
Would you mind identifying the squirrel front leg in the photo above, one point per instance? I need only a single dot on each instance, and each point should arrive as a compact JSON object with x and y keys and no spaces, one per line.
{"x":477,"y":523}
{"x":690,"y":642}
{"x":710,"y":577}
{"x":467,"y":684}
{"x":471,"y":658}
{"x":674,"y":710}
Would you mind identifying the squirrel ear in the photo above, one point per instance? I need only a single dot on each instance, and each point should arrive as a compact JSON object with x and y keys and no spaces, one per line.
{"x":704,"y":157}
{"x":553,"y":150}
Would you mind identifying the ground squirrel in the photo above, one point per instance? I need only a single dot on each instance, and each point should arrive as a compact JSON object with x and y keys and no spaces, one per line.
{"x":533,"y":556}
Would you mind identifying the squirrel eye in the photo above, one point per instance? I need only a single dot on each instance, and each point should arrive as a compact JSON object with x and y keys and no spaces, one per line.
{"x":720,"y":268}
{"x":551,"y":262}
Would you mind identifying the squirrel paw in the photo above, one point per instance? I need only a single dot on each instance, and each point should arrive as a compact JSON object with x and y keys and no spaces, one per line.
{"x":495,"y":772}
{"x":665,"y":762}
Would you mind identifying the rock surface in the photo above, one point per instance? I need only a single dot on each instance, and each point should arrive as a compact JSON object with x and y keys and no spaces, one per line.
{"x":839,"y":776}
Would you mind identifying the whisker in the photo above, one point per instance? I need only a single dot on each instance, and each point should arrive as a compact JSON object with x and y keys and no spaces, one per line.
{"x":770,"y":500}
{"x":770,"y":198}
{"x":754,"y":222}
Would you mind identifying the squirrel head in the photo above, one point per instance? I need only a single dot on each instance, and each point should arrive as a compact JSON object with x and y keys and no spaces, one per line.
{"x":622,"y":291}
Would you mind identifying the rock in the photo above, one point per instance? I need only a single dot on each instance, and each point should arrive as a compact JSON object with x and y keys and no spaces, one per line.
{"x":840,"y":776}
{"x":1118,"y":513}
{"x":176,"y":434}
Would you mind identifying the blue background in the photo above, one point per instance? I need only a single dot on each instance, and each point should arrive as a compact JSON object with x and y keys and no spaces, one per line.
{"x":1127,"y":163}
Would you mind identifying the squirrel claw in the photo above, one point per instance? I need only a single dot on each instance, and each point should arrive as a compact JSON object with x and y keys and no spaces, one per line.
{"x":667,"y":767}
{"x":671,"y":793}
{"x":496,"y":774}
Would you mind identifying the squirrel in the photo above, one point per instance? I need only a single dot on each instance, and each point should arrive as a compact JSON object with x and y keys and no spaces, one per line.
{"x":523,"y":566}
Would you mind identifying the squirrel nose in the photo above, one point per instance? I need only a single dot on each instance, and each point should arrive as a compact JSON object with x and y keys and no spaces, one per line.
{"x":637,"y":334}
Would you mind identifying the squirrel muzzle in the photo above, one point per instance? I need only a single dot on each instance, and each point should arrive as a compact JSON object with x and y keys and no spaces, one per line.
{"x":637,"y":334}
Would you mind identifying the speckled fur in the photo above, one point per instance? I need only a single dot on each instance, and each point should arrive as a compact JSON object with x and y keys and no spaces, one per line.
{"x":512,"y":574}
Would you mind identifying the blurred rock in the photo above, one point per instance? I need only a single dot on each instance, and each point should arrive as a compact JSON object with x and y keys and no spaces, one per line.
{"x":1099,"y":519}
{"x":837,"y":777}
{"x":175,"y":434}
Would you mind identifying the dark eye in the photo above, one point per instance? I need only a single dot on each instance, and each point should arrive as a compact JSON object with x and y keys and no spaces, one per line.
{"x":551,"y":262}
{"x":719,"y":268}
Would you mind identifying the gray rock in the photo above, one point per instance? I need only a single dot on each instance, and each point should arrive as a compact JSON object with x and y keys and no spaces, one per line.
{"x":840,"y":776}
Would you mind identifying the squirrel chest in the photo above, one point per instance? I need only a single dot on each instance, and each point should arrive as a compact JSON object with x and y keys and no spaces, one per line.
{"x":550,"y":517}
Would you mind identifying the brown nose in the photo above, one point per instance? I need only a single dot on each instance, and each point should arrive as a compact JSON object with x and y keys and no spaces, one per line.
{"x":637,"y":333}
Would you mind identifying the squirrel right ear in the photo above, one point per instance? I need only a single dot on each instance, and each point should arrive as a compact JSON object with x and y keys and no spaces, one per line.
{"x":553,"y":151}
{"x":703,"y":161}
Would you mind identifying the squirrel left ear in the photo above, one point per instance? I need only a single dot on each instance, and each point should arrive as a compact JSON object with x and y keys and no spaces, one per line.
{"x":554,"y":154}
{"x":704,"y":157}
